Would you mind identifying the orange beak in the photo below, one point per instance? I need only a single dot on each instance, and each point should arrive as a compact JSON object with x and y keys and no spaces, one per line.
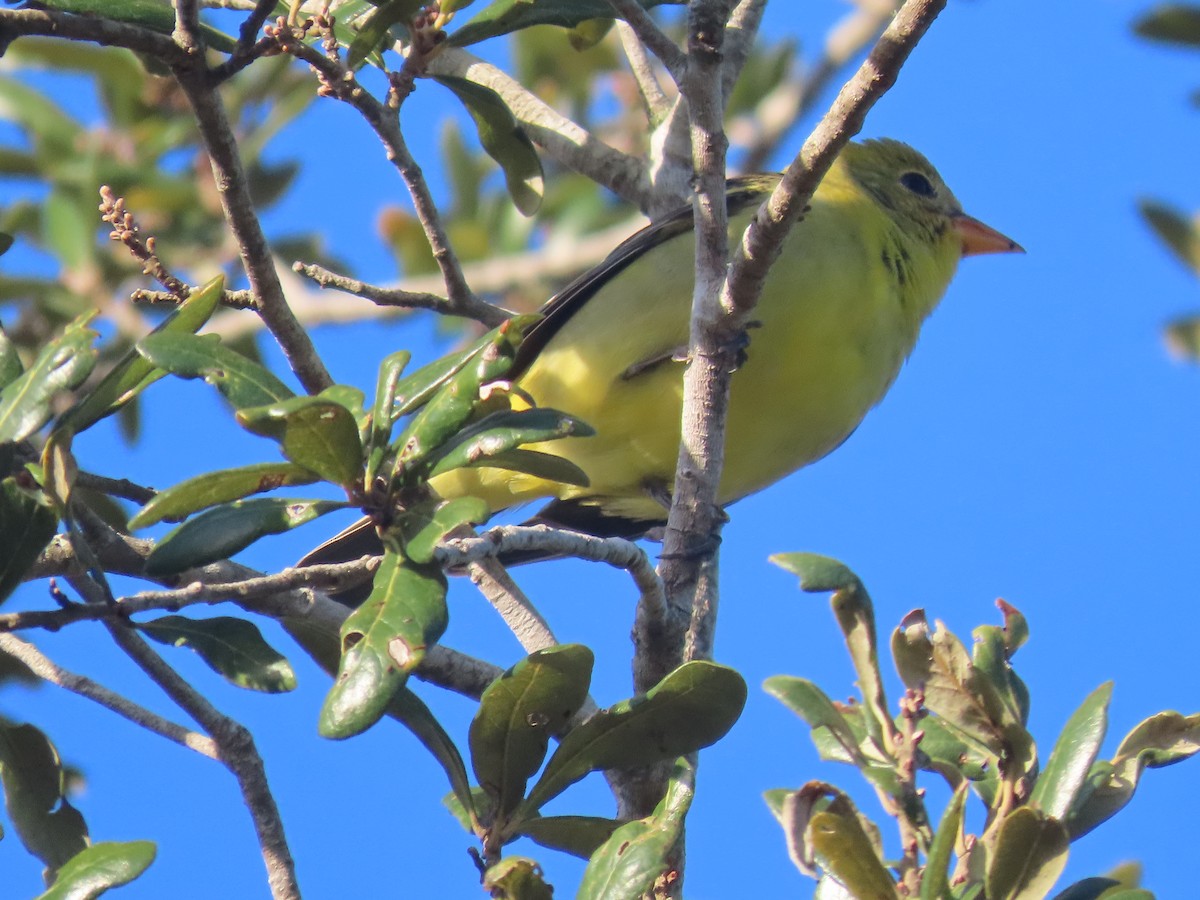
{"x":978,"y":238}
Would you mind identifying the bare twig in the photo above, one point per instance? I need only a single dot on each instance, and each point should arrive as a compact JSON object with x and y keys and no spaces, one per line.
{"x":396,"y":297}
{"x":651,"y":36}
{"x":785,"y":107}
{"x":640,"y":64}
{"x":106,"y":32}
{"x":338,"y":81}
{"x":125,"y":229}
{"x":237,"y":751}
{"x":47,"y":670}
{"x":240,"y":299}
{"x":234,"y":190}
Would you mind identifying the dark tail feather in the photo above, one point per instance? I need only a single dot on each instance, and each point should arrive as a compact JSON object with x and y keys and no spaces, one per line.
{"x":361,"y":539}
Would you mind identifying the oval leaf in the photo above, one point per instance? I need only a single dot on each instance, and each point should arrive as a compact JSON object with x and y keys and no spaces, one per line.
{"x":225,"y":530}
{"x":232,"y":647}
{"x":382,"y":642}
{"x":176,"y":503}
{"x":690,"y":709}
{"x":1060,"y":782}
{"x":99,"y":867}
{"x":503,"y":139}
{"x":501,"y":433}
{"x":26,"y":527}
{"x":518,"y":714}
{"x":316,"y":433}
{"x":63,"y":364}
{"x":1030,"y":854}
{"x":241,"y":381}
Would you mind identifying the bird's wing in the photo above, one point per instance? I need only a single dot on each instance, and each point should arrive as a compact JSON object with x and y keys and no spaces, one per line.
{"x":741,"y":193}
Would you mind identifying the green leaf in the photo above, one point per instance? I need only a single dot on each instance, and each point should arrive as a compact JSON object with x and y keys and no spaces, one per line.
{"x":690,"y":709}
{"x":455,"y":401}
{"x":314,"y":432}
{"x":379,"y":435}
{"x":233,"y":648}
{"x":1180,"y":233}
{"x":516,"y":878}
{"x":95,"y":869}
{"x":382,"y":642}
{"x":373,"y":32}
{"x":26,"y":527}
{"x":503,"y":139}
{"x":502,"y":432}
{"x":62,"y":365}
{"x":935,"y":880}
{"x":1175,"y":23}
{"x":132,"y":373}
{"x":420,"y":531}
{"x":10,"y":360}
{"x":31,"y":772}
{"x":1059,"y":784}
{"x":1161,"y":740}
{"x":533,"y":462}
{"x":224,"y":486}
{"x":417,"y":389}
{"x":241,"y":381}
{"x":412,"y":712}
{"x":811,"y":704}
{"x":843,"y":849}
{"x":227,"y":529}
{"x":637,"y":853}
{"x":505,"y":16}
{"x":578,"y":835}
{"x":855,"y":616}
{"x":939,"y":665}
{"x":1030,"y":855}
{"x":518,"y":714}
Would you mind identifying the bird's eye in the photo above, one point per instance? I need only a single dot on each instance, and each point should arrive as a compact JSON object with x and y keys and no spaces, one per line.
{"x":918,"y":184}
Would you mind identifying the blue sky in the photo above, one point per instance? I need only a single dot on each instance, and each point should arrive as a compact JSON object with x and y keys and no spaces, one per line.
{"x":1040,"y":446}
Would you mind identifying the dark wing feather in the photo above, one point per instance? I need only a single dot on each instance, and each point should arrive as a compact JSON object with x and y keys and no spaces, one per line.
{"x":740,"y":193}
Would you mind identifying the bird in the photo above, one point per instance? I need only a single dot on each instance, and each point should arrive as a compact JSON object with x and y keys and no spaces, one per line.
{"x":840,"y":312}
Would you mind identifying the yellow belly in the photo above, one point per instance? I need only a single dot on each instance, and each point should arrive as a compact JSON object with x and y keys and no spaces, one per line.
{"x":834,"y":332}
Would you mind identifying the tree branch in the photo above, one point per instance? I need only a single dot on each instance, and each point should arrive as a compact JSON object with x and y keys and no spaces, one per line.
{"x":47,"y":670}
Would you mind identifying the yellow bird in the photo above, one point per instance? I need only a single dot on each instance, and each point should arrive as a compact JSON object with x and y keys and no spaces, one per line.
{"x":840,"y":312}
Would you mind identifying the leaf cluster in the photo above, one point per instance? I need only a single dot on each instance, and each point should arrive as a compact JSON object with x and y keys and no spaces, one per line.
{"x":964,"y":718}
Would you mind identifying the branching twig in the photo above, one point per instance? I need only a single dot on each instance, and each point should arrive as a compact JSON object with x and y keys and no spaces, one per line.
{"x":338,"y":81}
{"x":234,"y":190}
{"x":237,"y":751}
{"x":640,"y":64}
{"x":651,"y":36}
{"x":787,"y":105}
{"x":44,"y":668}
{"x":396,"y":297}
{"x":125,"y":229}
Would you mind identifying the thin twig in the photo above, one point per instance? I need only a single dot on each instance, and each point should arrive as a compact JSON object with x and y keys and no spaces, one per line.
{"x":234,"y":190}
{"x":396,"y":297}
{"x":651,"y":36}
{"x":106,"y":32}
{"x":657,"y":103}
{"x":339,"y":82}
{"x":47,"y":670}
{"x":786,"y":106}
{"x":237,"y":752}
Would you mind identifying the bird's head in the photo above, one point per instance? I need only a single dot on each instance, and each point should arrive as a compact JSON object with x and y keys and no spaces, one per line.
{"x":910,"y":190}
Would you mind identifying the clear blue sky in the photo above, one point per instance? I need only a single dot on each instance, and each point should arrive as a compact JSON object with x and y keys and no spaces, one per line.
{"x":1040,"y":446}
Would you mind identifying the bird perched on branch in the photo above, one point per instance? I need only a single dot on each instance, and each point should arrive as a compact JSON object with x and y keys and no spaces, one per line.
{"x":840,"y":312}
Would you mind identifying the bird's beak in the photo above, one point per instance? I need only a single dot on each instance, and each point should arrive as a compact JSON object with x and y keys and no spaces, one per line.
{"x":979,"y":238}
